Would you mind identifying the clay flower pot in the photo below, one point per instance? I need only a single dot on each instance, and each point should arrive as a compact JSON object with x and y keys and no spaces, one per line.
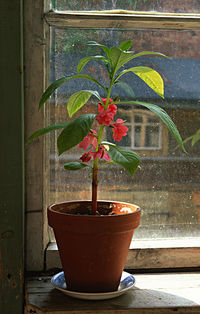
{"x":196,"y":201}
{"x":196,"y":198}
{"x":93,"y":249}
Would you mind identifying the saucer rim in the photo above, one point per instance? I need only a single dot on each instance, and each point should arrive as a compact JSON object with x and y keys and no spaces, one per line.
{"x":96,"y":295}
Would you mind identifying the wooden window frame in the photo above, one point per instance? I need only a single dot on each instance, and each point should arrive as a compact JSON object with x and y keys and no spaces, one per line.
{"x":38,"y":20}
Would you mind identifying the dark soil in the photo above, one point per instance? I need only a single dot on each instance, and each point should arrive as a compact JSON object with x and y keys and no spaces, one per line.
{"x":85,"y":209}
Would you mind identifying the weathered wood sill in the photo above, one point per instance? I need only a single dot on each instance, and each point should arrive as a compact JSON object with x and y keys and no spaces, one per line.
{"x":153,"y":293}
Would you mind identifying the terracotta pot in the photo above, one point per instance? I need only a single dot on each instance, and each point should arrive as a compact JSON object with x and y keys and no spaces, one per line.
{"x":196,"y":198}
{"x":93,"y":249}
{"x":196,"y":201}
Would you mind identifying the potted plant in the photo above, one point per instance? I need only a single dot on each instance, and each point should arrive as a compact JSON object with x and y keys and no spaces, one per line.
{"x":93,"y":237}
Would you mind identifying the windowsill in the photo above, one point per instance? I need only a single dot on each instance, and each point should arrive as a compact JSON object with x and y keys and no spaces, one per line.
{"x":171,"y":253}
{"x":152,"y":293}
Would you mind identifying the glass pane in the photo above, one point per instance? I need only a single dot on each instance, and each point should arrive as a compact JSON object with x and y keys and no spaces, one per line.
{"x":137,"y":136}
{"x":139,"y":5}
{"x":167,"y":186}
{"x":124,"y":115}
{"x":151,"y":136}
{"x":152,"y":119}
{"x":138,"y":118}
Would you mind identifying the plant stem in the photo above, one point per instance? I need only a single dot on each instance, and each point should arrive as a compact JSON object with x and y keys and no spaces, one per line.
{"x":94,"y":186}
{"x":95,"y":164}
{"x":95,"y":174}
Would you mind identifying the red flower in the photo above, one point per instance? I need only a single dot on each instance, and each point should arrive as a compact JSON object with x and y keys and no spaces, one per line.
{"x":101,"y":107}
{"x":112,"y":108}
{"x":106,"y":115}
{"x":90,"y":139}
{"x":104,"y":100}
{"x":119,"y":130}
{"x":86,"y":157}
{"x":101,"y":153}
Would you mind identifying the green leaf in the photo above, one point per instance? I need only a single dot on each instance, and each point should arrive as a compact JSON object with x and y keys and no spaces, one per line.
{"x":123,"y":157}
{"x":126,"y":45}
{"x":104,"y":48}
{"x":50,"y":90}
{"x":85,"y":60}
{"x":74,"y":132}
{"x":74,"y":165}
{"x":79,"y":99}
{"x":196,"y":137}
{"x":161,"y":113}
{"x":126,"y":87}
{"x":46,"y":130}
{"x":151,"y":77}
{"x":145,"y":53}
{"x":188,"y":139}
{"x":118,"y":58}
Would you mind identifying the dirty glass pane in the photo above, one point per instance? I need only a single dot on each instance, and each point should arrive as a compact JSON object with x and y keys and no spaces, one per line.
{"x":167,"y":186}
{"x":173,"y":6}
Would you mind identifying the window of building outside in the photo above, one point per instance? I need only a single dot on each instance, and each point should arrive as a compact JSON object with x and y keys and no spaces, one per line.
{"x":166,"y":186}
{"x":144,"y":129}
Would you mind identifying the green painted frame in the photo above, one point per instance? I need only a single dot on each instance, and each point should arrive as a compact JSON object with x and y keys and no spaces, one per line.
{"x":11,"y":158}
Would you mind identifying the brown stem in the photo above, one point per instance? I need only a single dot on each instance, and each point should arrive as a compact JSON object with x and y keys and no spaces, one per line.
{"x":94,"y":189}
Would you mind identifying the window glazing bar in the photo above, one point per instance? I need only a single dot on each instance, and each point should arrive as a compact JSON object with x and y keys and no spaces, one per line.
{"x":112,"y":19}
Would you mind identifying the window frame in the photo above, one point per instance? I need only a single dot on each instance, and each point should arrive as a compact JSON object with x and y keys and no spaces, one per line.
{"x":36,"y":34}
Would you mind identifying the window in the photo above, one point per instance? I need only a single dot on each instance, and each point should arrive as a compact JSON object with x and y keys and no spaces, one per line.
{"x":167,"y":184}
{"x":144,"y":129}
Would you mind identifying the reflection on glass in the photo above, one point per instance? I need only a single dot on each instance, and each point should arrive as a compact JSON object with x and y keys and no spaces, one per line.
{"x":139,"y":5}
{"x":167,"y":186}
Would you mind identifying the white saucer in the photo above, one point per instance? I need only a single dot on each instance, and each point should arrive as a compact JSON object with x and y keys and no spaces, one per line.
{"x":126,"y":283}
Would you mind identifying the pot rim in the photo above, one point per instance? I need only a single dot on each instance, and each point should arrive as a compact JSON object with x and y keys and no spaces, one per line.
{"x":137,"y":210}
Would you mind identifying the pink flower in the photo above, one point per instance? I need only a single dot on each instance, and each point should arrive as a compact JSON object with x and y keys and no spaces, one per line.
{"x":106,"y":115}
{"x":90,"y":139}
{"x":86,"y":157}
{"x":101,"y":153}
{"x":119,"y":130}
